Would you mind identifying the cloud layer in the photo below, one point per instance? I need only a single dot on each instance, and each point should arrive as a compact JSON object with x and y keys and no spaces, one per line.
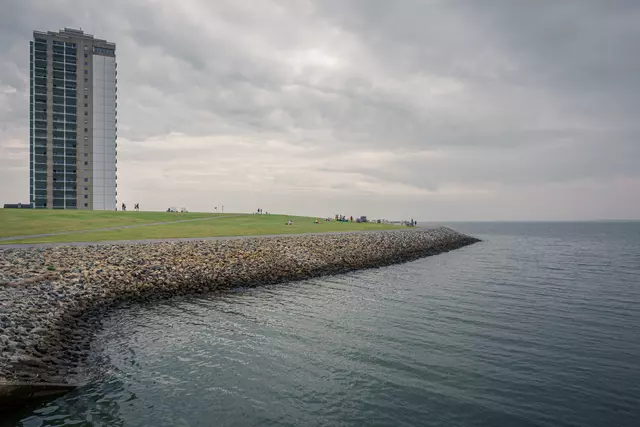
{"x":439,"y":110}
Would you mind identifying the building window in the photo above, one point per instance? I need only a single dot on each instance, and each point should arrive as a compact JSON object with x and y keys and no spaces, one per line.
{"x":86,"y":63}
{"x":86,"y":71}
{"x":86,"y":105}
{"x":86,"y":81}
{"x":86,"y":55}
{"x":86,"y":196}
{"x":86,"y":89}
{"x":86,"y":188}
{"x":86,"y":180}
{"x":86,"y":113}
{"x":86,"y":163}
{"x":85,"y":205}
{"x":86,"y":154}
{"x":86,"y":96}
{"x":86,"y":130}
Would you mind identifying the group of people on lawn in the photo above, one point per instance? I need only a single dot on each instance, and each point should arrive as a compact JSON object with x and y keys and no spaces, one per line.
{"x":136,"y":207}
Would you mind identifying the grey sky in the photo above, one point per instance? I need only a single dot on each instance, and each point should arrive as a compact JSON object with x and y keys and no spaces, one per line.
{"x":440,"y":110}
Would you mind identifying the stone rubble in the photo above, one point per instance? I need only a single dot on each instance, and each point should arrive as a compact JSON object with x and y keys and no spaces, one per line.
{"x":51,"y":298}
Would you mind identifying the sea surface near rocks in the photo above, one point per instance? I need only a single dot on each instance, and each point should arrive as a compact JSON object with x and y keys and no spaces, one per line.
{"x":51,"y":300}
{"x":538,"y":325}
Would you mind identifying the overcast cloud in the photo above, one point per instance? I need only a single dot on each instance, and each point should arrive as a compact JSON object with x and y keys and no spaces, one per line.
{"x":438,"y":110}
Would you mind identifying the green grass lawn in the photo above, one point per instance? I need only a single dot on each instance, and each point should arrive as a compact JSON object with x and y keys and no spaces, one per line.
{"x":238,"y":225}
{"x":23,"y":222}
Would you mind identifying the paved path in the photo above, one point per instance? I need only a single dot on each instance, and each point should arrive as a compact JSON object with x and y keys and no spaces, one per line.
{"x":121,"y":227}
{"x":191,"y":239}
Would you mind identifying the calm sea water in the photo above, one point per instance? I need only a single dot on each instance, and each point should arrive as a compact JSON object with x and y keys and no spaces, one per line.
{"x":539,"y":325}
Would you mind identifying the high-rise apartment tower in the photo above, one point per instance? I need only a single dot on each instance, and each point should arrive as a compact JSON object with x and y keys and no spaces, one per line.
{"x":73,"y":123}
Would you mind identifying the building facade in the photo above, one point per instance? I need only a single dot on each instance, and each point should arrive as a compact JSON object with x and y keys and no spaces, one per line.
{"x":73,"y":121}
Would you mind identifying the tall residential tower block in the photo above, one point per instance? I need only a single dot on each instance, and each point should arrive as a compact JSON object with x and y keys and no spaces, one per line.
{"x":73,"y":121}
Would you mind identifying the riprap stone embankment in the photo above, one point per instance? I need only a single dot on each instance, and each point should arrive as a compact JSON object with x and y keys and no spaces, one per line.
{"x":51,"y":298}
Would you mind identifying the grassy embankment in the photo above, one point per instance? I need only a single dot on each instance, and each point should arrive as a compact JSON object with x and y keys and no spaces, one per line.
{"x":15,"y":222}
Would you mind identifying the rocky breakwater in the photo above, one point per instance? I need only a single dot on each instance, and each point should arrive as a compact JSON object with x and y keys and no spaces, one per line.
{"x":51,"y":298}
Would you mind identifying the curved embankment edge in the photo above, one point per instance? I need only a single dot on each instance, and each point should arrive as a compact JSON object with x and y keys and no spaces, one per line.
{"x":51,"y":298}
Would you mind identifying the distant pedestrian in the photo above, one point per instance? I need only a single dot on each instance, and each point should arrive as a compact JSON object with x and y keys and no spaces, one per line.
{"x":124,"y":207}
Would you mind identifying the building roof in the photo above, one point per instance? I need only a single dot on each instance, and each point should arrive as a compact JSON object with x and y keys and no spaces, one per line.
{"x":71,"y":33}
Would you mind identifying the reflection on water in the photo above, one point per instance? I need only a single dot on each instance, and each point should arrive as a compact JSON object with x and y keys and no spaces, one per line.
{"x":538,"y":325}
